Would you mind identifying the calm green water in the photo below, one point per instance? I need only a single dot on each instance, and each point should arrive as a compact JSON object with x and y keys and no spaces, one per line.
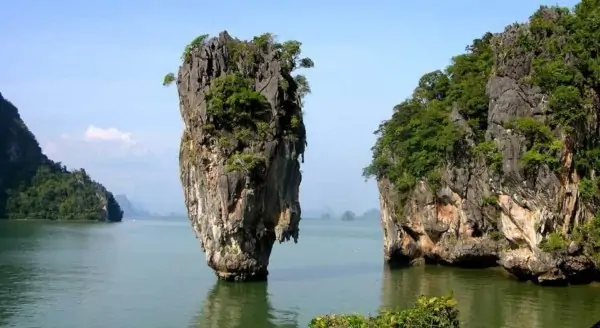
{"x":152,"y":274}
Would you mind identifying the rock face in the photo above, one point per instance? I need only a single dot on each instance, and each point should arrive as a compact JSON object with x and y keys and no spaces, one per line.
{"x":491,"y":206}
{"x":239,"y":154}
{"x":34,"y":187}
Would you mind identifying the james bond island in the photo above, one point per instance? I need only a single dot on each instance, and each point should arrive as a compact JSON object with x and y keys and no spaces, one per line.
{"x":241,"y":148}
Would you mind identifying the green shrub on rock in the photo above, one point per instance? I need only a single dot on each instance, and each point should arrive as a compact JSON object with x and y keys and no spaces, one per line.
{"x":438,"y":312}
{"x":236,"y":117}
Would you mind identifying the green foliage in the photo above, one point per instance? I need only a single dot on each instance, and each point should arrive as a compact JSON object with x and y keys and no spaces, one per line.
{"x":168,"y":79}
{"x":542,"y":147}
{"x":588,"y":235}
{"x":469,"y":75}
{"x":246,"y":53}
{"x":554,"y":242}
{"x":495,"y":235}
{"x":490,"y":201}
{"x":34,"y":187}
{"x":57,"y":194}
{"x":533,"y":130}
{"x":563,"y":47}
{"x":196,"y":42}
{"x":232,"y":102}
{"x":289,"y":52}
{"x":302,"y":86}
{"x":439,"y":312}
{"x":236,"y":110}
{"x":418,"y":140}
{"x":493,"y":157}
{"x":588,"y":189}
{"x":239,"y":118}
{"x":414,"y":144}
{"x":566,"y":65}
{"x":243,"y":162}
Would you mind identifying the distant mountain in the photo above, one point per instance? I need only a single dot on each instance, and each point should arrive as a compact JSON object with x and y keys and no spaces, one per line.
{"x":371,"y":215}
{"x":130,"y":210}
{"x":325,"y":213}
{"x":348,"y":216}
{"x":176,"y":215}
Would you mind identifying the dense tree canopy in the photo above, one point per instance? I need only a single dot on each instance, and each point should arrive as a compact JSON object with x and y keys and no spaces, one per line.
{"x":416,"y":141}
{"x":54,"y":193}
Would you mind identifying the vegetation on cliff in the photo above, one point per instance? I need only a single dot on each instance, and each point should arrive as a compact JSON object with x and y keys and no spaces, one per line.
{"x":560,"y":49}
{"x":419,"y":138}
{"x":438,"y":312}
{"x":238,"y":116}
{"x":34,"y":187}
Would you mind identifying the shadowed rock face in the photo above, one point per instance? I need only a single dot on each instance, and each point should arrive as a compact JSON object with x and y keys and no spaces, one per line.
{"x":240,"y":178}
{"x":480,"y":216}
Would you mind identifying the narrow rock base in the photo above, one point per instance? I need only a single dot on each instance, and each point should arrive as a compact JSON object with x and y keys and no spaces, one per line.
{"x":243,"y":276}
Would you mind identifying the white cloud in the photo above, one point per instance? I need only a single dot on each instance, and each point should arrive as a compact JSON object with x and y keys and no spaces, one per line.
{"x":94,"y":133}
{"x":95,"y":142}
{"x":122,"y":163}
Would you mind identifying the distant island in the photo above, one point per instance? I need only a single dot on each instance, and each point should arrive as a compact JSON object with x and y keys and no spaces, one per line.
{"x":33,"y":187}
{"x":327,"y":213}
{"x":370,"y":215}
{"x":348,"y":216}
{"x":130,"y":210}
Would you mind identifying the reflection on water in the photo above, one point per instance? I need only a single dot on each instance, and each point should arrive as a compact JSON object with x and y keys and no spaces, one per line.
{"x":311,"y":273}
{"x":152,"y":275}
{"x":486,"y":298}
{"x":17,"y":268}
{"x":235,"y":305}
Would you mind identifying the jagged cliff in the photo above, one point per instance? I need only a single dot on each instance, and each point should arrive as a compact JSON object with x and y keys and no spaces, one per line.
{"x":34,"y":187}
{"x":494,"y":161}
{"x":239,"y":154}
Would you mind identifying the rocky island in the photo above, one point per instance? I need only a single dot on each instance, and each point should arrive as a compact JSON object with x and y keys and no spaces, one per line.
{"x":32,"y":186}
{"x":495,"y":160}
{"x":241,"y":147}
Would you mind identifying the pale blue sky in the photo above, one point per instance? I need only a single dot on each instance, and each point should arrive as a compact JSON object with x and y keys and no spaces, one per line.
{"x":76,"y":66}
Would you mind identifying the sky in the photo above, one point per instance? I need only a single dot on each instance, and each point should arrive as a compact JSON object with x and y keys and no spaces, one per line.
{"x":86,"y":77}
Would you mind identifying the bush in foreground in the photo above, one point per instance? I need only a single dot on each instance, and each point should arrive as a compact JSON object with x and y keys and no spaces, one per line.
{"x":435,"y":312}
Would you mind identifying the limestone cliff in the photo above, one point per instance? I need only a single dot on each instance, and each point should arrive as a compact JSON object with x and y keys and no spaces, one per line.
{"x":239,"y":154}
{"x":494,"y":161}
{"x":34,"y":187}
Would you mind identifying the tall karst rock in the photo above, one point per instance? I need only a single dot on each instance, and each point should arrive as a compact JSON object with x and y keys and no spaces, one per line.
{"x":495,"y":161}
{"x":241,"y":147}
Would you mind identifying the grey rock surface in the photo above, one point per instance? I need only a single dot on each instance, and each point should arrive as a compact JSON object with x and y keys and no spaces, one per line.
{"x":236,"y":215}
